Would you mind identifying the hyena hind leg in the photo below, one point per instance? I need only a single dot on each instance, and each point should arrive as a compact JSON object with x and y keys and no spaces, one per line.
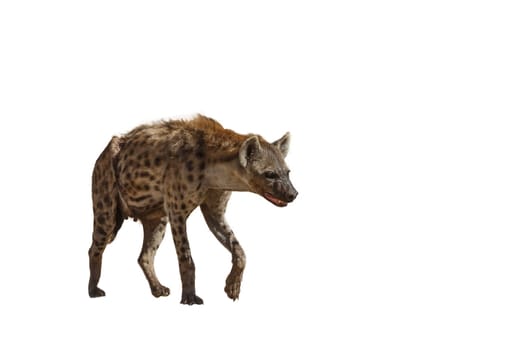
{"x":106,"y":226}
{"x":108,"y":217}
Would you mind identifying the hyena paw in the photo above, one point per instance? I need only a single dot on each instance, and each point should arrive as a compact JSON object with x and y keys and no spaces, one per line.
{"x":233,"y":286}
{"x":190,"y":299}
{"x":160,"y":291}
{"x":96,"y":292}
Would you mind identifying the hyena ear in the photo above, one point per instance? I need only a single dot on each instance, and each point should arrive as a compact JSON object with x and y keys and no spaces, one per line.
{"x":283,"y":144}
{"x":249,"y":150}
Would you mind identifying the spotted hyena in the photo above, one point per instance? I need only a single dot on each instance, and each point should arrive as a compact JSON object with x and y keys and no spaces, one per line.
{"x":161,"y":172}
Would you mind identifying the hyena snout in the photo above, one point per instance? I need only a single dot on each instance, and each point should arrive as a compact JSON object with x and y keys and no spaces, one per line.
{"x":280,"y":194}
{"x":291,"y":195}
{"x":287,"y":191}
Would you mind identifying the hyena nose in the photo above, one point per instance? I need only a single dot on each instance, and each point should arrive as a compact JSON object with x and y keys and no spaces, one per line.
{"x":290,"y":196}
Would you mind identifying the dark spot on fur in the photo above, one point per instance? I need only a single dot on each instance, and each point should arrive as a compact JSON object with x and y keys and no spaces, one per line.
{"x":183,"y":206}
{"x":199,"y":186}
{"x":190,"y":178}
{"x":100,"y":244}
{"x":146,"y":187}
{"x":99,"y":231}
{"x":101,"y":219}
{"x":199,"y":152}
{"x":202,"y":166}
{"x":189,"y":165}
{"x":147,"y":163}
{"x":100,"y":205}
{"x":156,"y":188}
{"x":107,"y":199}
{"x":201,"y":177}
{"x":156,"y":161}
{"x":145,"y":174}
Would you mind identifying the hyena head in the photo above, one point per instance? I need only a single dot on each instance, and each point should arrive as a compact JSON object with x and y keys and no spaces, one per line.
{"x":265,"y":170}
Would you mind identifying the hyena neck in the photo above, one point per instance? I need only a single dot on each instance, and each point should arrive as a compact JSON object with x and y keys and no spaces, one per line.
{"x":226,"y":175}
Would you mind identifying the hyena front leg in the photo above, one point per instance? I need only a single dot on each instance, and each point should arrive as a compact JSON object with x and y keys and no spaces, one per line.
{"x":213,"y":209}
{"x":154,"y":231}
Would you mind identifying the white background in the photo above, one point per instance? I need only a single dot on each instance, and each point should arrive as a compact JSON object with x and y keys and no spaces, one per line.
{"x":407,"y":152}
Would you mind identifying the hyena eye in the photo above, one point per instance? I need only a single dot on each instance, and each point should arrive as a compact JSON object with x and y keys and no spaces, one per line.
{"x":270,"y":175}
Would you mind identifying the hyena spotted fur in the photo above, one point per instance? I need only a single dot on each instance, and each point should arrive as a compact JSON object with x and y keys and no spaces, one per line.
{"x":159,"y":173}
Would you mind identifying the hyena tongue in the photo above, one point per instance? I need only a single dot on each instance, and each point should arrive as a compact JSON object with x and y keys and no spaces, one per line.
{"x":275,"y":200}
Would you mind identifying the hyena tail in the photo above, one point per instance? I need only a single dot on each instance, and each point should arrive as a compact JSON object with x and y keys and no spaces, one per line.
{"x":108,"y":216}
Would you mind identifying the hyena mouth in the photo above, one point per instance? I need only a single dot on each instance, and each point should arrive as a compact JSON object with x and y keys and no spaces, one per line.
{"x":274,"y":200}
